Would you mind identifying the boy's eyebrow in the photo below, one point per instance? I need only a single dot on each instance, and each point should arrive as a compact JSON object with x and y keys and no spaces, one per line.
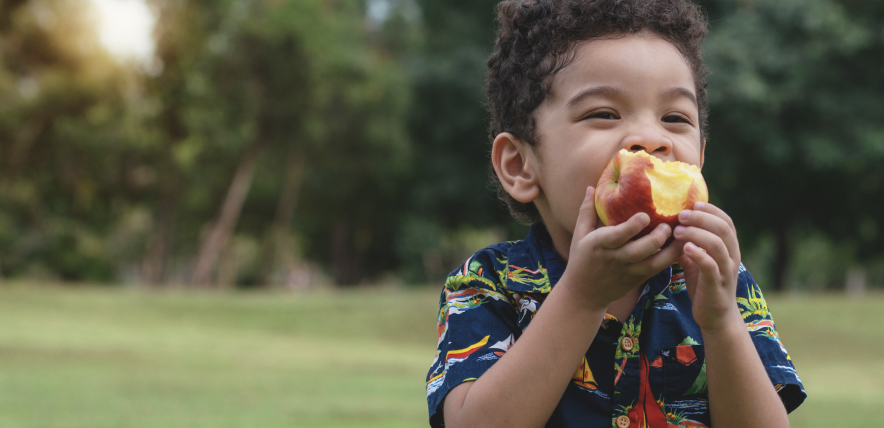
{"x":612,"y":92}
{"x":680,"y":92}
{"x":605,"y":91}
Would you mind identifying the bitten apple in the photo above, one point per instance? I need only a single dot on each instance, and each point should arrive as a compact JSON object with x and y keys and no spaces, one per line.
{"x":638,"y":182}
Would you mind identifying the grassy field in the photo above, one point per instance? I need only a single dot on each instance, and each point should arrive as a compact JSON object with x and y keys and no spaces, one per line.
{"x":93,"y":357}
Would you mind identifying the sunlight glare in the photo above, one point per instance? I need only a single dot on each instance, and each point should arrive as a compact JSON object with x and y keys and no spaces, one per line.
{"x":126,"y":27}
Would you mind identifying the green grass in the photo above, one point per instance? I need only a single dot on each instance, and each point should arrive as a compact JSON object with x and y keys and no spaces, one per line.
{"x":94,"y":357}
{"x":837,"y":346}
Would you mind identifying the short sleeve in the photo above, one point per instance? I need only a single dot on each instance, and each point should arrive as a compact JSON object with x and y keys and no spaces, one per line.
{"x":773,"y":354}
{"x":476,"y":325}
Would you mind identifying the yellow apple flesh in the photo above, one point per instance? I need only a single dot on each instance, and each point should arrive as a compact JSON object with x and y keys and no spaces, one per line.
{"x":638,"y":182}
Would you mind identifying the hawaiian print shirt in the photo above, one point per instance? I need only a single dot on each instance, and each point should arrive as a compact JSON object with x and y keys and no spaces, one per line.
{"x":648,"y":368}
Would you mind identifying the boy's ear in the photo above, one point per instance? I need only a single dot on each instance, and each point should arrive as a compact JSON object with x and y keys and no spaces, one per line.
{"x":514,"y":163}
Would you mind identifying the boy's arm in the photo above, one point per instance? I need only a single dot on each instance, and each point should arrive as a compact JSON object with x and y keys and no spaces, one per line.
{"x":523,"y":388}
{"x":740,"y":392}
{"x":519,"y":391}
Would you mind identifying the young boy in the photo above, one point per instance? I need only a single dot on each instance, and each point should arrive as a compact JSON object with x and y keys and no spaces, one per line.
{"x":660,"y":335}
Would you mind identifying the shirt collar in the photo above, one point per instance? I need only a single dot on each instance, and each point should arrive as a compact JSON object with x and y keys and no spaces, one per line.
{"x":532,"y":263}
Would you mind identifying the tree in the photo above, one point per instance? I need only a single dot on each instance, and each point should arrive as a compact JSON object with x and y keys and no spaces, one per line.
{"x":448,"y":123}
{"x":795,"y":126}
{"x":63,"y":143}
{"x":278,"y":86}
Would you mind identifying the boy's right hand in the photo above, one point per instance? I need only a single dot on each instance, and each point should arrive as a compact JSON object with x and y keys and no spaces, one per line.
{"x":604,"y":265}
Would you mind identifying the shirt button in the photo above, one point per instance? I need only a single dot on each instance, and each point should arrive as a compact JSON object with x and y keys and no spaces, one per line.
{"x":623,"y":421}
{"x":626,"y":344}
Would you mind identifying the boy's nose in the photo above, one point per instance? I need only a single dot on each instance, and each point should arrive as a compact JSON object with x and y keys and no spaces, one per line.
{"x":651,"y":142}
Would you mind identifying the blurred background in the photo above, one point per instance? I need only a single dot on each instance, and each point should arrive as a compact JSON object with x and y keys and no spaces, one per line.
{"x":158,"y":158}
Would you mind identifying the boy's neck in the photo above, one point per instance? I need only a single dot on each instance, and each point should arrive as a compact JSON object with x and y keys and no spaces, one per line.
{"x":561,"y":240}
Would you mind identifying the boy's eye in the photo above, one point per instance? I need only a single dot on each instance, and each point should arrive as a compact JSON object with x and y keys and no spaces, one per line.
{"x":601,"y":115}
{"x":676,"y":118}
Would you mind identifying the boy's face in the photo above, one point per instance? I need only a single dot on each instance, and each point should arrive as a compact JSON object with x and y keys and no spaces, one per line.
{"x":636,"y":93}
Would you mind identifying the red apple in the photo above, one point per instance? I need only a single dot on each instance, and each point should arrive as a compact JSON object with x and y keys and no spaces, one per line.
{"x":638,"y":182}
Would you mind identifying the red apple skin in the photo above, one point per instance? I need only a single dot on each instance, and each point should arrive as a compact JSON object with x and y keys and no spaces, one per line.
{"x":625,"y":190}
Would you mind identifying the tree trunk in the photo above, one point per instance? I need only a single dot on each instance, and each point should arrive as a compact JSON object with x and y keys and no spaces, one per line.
{"x":278,"y":241}
{"x":169,"y":184}
{"x":342,"y":254}
{"x":782,"y":258}
{"x":216,"y":241}
{"x":228,"y":269}
{"x":154,"y":264}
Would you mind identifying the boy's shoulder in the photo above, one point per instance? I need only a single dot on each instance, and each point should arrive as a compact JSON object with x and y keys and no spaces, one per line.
{"x":492,"y":256}
{"x":485,"y":267}
{"x":526,"y":265}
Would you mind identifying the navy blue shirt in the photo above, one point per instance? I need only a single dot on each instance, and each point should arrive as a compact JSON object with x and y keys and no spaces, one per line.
{"x":649,"y":368}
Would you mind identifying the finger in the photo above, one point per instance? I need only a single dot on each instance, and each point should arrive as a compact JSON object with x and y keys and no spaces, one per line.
{"x":642,"y":248}
{"x":734,"y":244}
{"x":587,"y":218}
{"x":712,"y":223}
{"x":684,"y":261}
{"x":660,"y":260}
{"x":615,"y":236}
{"x":718,"y":212}
{"x":708,"y":241}
{"x":704,"y":263}
{"x":690,"y":270}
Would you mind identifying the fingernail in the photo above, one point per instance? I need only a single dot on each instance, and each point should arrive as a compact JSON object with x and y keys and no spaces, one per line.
{"x":679,"y":230}
{"x":699,"y":206}
{"x":689,"y":247}
{"x":588,"y":192}
{"x":644,"y":219}
{"x":684,"y":215}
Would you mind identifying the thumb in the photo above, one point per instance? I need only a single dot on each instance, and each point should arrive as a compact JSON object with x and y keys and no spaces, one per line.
{"x":587,"y":218}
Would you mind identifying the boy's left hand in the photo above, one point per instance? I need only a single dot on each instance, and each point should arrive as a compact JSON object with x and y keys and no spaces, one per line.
{"x":711,"y":262}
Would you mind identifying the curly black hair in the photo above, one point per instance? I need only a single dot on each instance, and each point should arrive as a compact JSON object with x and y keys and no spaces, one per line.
{"x":535,"y":40}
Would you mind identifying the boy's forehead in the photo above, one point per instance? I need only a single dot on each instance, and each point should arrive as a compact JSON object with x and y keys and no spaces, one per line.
{"x":636,"y":62}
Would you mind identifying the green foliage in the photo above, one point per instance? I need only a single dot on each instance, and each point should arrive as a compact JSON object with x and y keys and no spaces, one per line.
{"x":449,"y":121}
{"x":796,"y":134}
{"x":62,"y":122}
{"x":301,"y":76}
{"x":93,"y":142}
{"x":368,"y":124}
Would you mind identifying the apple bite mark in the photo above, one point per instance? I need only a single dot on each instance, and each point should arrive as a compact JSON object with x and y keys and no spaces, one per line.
{"x":672,"y":184}
{"x":638,"y":182}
